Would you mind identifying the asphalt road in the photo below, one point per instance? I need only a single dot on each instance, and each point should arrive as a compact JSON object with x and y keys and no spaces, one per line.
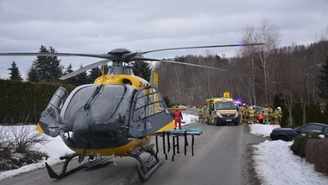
{"x":218,"y":160}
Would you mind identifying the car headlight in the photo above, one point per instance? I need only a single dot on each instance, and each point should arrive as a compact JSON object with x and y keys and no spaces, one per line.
{"x":236,"y":115}
{"x":218,"y":114}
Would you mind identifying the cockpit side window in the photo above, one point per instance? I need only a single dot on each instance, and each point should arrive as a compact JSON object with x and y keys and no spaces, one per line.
{"x":78,"y":100}
{"x":141,"y":110}
{"x":148,"y":103}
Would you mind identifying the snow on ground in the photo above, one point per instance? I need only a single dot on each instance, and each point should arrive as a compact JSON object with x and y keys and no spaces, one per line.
{"x":262,"y":129}
{"x":183,"y":106}
{"x":188,"y":119}
{"x":56,"y":148}
{"x":275,"y":164}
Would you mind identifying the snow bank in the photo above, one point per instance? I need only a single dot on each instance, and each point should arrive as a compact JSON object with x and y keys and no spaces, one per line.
{"x":261,"y":129}
{"x":189,"y":119}
{"x":54,"y":148}
{"x":275,"y":164}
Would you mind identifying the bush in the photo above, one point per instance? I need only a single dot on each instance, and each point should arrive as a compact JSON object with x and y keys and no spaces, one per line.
{"x":300,"y":143}
{"x":16,"y":146}
{"x":298,"y":147}
{"x":316,"y":151}
{"x":24,"y":137}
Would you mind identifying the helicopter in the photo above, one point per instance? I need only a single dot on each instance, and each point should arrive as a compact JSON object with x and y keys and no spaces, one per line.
{"x":117,"y":116}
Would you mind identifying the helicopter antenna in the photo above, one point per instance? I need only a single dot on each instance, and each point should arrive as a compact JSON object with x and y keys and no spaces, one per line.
{"x":102,"y":70}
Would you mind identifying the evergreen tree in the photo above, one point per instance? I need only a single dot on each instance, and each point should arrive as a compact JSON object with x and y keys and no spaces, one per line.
{"x":94,"y":74}
{"x":81,"y":78}
{"x":323,"y":81}
{"x":141,"y":69}
{"x":48,"y":68}
{"x":69,"y":70}
{"x":14,"y":72}
{"x":32,"y":75}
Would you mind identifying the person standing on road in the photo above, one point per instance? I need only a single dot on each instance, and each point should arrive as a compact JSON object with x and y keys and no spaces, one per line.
{"x":177,"y":118}
{"x":241,"y":113}
{"x":270,"y":114}
{"x":277,"y":116}
{"x":200,"y":113}
{"x":251,"y":114}
{"x":266,"y":114}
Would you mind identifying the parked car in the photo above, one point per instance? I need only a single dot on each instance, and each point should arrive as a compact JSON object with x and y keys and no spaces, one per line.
{"x":287,"y":134}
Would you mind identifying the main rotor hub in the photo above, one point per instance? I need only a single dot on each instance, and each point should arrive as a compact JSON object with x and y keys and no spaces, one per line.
{"x":119,"y":51}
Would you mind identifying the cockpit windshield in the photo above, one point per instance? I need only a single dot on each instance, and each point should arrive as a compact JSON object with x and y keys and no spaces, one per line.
{"x":225,"y":106}
{"x":110,"y":102}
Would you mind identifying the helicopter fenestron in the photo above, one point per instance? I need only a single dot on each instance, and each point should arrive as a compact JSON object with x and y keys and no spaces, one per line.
{"x":117,"y":115}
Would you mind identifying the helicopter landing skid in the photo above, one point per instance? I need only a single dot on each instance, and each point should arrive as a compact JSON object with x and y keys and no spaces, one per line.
{"x":93,"y":163}
{"x":147,"y":167}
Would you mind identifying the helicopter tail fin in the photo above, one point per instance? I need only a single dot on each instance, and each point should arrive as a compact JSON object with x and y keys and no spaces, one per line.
{"x":154,"y":82}
{"x":154,"y":79}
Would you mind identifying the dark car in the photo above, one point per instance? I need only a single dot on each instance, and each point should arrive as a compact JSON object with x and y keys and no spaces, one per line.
{"x":287,"y":134}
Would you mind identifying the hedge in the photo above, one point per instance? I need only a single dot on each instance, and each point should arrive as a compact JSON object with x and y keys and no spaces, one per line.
{"x":23,"y":102}
{"x":316,"y":153}
{"x":314,"y":149}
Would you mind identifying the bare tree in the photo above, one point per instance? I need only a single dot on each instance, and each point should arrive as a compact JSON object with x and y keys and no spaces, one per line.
{"x":289,"y":100}
{"x":267,"y":54}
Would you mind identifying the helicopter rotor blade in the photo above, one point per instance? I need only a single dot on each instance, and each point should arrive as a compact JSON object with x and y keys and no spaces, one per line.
{"x":104,"y":56}
{"x":83,"y":69}
{"x":175,"y":62}
{"x":210,"y":46}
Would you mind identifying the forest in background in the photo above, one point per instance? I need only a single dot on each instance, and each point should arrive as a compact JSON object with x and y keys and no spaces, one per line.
{"x":255,"y":75}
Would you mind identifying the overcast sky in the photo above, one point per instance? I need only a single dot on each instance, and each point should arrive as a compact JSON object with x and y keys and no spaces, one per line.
{"x":101,"y":25}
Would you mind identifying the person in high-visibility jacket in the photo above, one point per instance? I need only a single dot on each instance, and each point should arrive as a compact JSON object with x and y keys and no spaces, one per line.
{"x":266,"y":114}
{"x":200,"y":113}
{"x":251,"y":115}
{"x":270,"y":114}
{"x":246,"y":113}
{"x":177,"y":115}
{"x":277,"y":116}
{"x":241,"y":113}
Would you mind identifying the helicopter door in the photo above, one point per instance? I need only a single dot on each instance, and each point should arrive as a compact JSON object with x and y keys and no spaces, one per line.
{"x":149,"y":112}
{"x":49,"y":120}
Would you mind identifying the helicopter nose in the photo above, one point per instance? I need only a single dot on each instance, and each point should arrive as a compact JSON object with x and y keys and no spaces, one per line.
{"x":91,"y":135}
{"x":80,"y":128}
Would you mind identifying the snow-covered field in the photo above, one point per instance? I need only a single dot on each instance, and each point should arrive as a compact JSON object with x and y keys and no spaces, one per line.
{"x":262,"y":129}
{"x":276,"y":164}
{"x":56,"y":148}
